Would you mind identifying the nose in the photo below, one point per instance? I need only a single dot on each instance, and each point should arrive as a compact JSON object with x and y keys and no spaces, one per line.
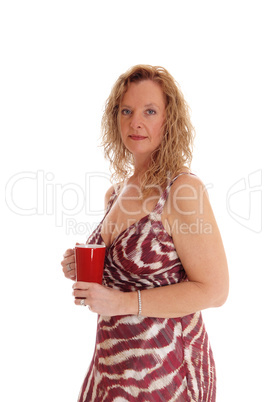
{"x":136,"y":121}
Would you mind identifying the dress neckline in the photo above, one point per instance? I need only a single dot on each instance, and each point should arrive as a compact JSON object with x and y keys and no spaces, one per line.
{"x":156,"y":210}
{"x":124,"y":231}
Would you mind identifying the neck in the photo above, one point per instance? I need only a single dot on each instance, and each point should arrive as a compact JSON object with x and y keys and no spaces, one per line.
{"x":141,"y":165}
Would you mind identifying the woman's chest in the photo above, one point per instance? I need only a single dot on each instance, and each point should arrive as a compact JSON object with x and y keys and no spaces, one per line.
{"x":127,"y":210}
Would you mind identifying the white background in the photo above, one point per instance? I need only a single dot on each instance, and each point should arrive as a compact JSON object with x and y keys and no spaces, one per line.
{"x":59,"y":60}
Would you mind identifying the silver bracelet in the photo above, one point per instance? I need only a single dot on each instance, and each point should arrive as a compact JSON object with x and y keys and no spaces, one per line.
{"x":139,"y":303}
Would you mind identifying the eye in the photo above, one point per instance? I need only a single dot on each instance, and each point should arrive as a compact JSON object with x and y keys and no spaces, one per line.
{"x":151,"y":112}
{"x":126,"y":112}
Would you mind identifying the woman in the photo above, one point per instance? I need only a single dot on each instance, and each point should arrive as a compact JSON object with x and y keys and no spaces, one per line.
{"x":165,"y":260}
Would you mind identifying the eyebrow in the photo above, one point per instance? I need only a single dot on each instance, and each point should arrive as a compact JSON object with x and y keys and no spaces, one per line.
{"x":148,"y":105}
{"x":152,"y":104}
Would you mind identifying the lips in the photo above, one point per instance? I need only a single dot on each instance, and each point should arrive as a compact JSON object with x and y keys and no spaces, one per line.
{"x":137,"y":137}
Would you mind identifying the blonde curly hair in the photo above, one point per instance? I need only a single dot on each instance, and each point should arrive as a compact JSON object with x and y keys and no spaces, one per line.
{"x":175,"y":151}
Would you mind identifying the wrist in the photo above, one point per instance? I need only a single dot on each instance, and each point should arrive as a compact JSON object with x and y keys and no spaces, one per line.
{"x":130,"y":304}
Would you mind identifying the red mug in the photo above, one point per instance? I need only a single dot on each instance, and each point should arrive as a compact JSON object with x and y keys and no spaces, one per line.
{"x":89,"y":260}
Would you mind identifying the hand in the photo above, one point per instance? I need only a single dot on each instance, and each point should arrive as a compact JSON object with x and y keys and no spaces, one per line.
{"x":105,"y":301}
{"x":69,"y":265}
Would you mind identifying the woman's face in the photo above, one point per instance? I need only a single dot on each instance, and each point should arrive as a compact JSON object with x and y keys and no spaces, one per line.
{"x":142,"y":115}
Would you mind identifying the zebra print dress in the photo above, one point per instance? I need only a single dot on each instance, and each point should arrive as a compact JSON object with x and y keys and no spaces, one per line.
{"x":144,"y":358}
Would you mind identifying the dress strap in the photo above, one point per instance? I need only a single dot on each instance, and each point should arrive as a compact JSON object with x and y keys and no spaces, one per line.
{"x":180,"y":174}
{"x":163,"y":198}
{"x":113,"y":196}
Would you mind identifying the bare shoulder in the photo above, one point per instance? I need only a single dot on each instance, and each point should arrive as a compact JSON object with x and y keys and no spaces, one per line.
{"x":186,"y":180}
{"x":110,"y":191}
{"x":188,"y":195}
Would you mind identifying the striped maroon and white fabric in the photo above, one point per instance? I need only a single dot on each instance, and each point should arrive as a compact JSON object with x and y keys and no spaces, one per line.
{"x":144,"y":358}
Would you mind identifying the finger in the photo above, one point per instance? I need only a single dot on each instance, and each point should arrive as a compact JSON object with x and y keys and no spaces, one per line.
{"x":66,"y":268}
{"x":69,"y":271}
{"x":81,"y":285}
{"x":70,"y":266}
{"x":80,"y":294}
{"x":84,"y":303}
{"x":68,"y":260}
{"x":68,"y":252}
{"x":87,"y":285}
{"x":70,"y":275}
